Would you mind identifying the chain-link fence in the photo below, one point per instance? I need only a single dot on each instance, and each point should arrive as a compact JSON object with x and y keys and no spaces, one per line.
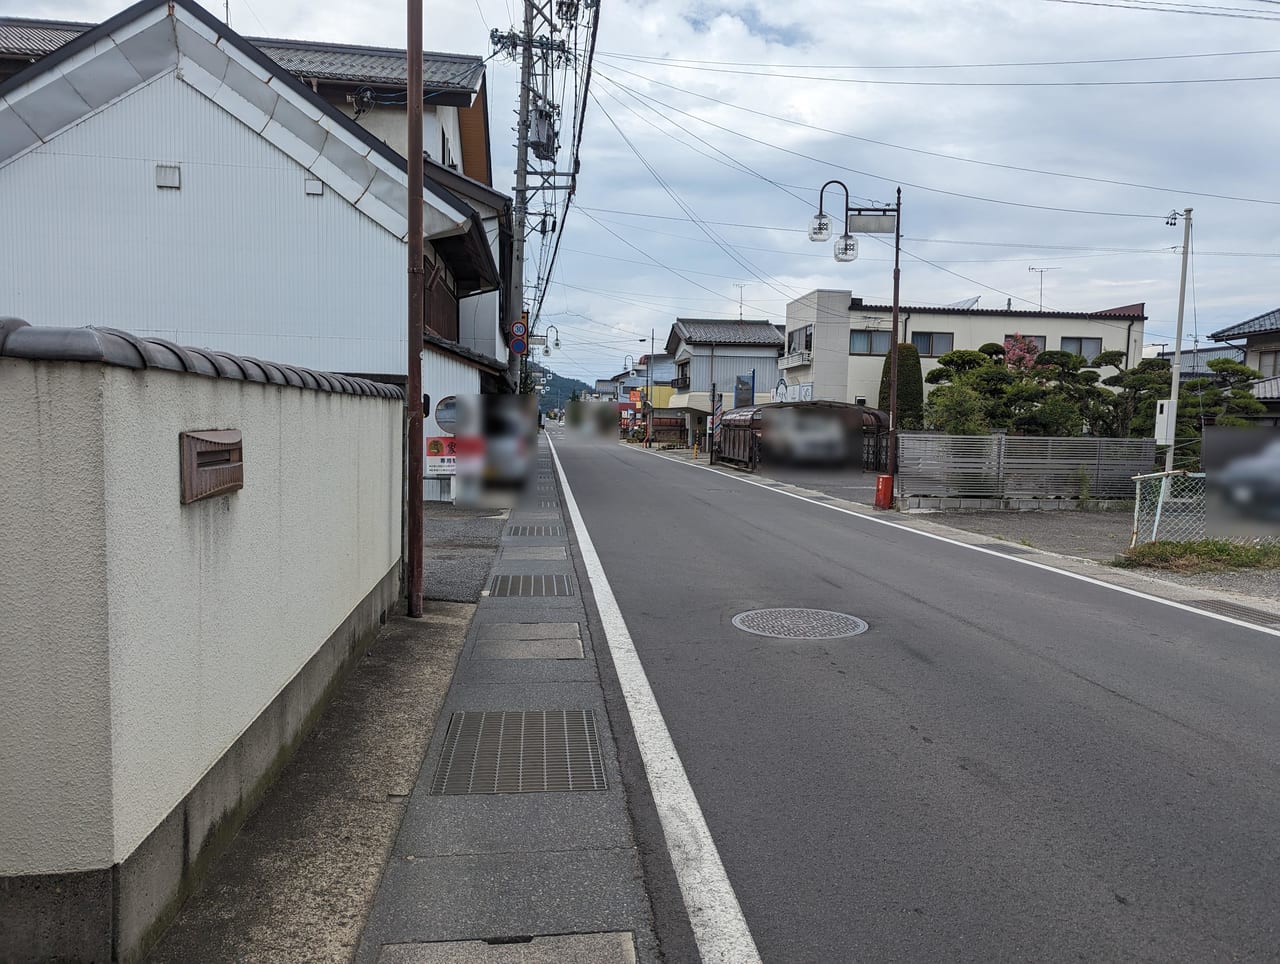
{"x":1169,"y":507}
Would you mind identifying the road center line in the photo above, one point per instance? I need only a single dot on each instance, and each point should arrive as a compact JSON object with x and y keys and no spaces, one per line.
{"x":990,"y":552}
{"x":719,"y":927}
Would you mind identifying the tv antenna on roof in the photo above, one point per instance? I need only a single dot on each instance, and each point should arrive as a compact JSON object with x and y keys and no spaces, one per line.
{"x":739,"y":285}
{"x":1042,"y":271}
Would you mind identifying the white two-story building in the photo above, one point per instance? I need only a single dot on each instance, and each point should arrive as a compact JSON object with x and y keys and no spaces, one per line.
{"x":836,"y":344}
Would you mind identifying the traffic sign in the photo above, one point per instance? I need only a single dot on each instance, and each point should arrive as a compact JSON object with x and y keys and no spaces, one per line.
{"x":519,"y":345}
{"x":519,"y":329}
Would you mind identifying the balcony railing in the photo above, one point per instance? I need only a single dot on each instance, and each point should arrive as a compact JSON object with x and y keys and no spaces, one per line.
{"x":680,"y":384}
{"x":796,"y":359}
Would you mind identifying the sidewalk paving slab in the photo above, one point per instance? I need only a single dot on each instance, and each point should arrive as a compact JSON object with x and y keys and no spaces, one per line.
{"x":530,"y":867}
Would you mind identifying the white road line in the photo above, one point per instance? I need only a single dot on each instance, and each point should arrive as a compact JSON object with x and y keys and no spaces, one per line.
{"x":718,"y":925}
{"x":1174,"y":604}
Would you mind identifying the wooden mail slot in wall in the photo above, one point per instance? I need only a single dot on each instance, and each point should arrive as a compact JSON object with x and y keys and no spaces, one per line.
{"x":212,"y":463}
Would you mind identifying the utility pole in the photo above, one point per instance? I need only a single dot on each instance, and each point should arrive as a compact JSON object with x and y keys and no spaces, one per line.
{"x":1176,"y":373}
{"x":648,"y":377}
{"x":893,"y":346}
{"x":542,"y":48}
{"x":413,"y":379}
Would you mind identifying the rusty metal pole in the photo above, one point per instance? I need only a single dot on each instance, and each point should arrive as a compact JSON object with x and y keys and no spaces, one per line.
{"x":893,"y":347}
{"x":413,"y":383}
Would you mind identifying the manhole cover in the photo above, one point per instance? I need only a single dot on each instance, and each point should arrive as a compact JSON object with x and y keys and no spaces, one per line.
{"x":799,"y":623}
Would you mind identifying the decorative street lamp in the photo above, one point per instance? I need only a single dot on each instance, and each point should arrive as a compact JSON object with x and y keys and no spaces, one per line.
{"x":547,"y":346}
{"x":880,"y":220}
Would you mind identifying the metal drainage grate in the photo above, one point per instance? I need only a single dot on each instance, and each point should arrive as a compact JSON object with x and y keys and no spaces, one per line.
{"x":1244,"y":613}
{"x":545,"y":504}
{"x":530,"y":586}
{"x":799,"y":623}
{"x":534,"y":531}
{"x":1009,"y":548}
{"x":530,"y":751}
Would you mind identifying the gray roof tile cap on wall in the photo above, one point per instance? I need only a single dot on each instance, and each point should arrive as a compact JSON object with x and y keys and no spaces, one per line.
{"x":109,"y":346}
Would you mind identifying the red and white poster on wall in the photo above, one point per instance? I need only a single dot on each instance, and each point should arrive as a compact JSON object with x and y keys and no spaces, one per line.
{"x":449,"y":454}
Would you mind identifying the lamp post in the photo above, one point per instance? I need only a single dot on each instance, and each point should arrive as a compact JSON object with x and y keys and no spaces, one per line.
{"x":881,"y":220}
{"x":648,"y":395}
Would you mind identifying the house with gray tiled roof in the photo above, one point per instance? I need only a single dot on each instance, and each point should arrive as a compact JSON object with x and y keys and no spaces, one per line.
{"x":162,"y":175}
{"x":715,"y":351}
{"x":1260,"y":338}
{"x":365,"y":83}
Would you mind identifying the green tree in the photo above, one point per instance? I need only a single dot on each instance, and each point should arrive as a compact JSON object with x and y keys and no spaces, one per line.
{"x":957,"y":410}
{"x":910,"y":387}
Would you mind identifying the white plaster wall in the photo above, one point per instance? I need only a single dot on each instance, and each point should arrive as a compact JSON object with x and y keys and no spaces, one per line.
{"x":240,"y":259}
{"x":390,"y":124}
{"x":213,"y":607}
{"x":141,"y":637}
{"x":973,"y":331}
{"x":55,"y":750}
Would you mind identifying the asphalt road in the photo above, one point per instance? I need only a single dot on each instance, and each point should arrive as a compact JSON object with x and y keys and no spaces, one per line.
{"x":1008,"y":765}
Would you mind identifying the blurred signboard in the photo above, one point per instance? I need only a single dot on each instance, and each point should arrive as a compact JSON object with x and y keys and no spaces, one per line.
{"x":445,"y":454}
{"x":793,"y":393}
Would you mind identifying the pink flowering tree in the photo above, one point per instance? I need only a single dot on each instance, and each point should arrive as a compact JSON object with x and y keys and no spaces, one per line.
{"x":1019,"y":352}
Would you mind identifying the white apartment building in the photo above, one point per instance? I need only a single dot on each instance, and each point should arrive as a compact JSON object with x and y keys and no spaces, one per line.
{"x":836,"y":344}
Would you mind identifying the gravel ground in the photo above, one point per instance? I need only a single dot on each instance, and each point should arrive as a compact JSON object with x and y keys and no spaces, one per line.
{"x":1100,"y":536}
{"x":299,"y":879}
{"x":461,"y":544}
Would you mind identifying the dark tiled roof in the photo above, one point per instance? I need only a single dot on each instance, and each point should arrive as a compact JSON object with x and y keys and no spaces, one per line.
{"x":345,"y":63}
{"x":706,"y":331}
{"x":1130,"y":311}
{"x":35,"y":38}
{"x":1264,"y":323}
{"x":107,"y":346}
{"x":370,"y":65}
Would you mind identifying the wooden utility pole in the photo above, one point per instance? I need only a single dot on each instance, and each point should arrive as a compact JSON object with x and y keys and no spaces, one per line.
{"x":413,"y":383}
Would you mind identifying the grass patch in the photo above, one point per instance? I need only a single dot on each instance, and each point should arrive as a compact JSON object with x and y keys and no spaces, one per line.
{"x":1207,"y":555}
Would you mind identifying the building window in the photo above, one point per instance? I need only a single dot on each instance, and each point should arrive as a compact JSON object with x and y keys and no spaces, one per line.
{"x":1040,"y":341}
{"x":1269,"y":363}
{"x":869,"y":343}
{"x":1090,"y":348}
{"x":933,"y":343}
{"x":800,"y":339}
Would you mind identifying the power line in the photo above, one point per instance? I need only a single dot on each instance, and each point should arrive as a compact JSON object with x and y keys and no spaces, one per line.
{"x":965,"y":241}
{"x":614,"y":55}
{"x":873,"y":176}
{"x":1206,"y":12}
{"x":720,"y":242}
{"x":1163,"y":82}
{"x":939,"y":154}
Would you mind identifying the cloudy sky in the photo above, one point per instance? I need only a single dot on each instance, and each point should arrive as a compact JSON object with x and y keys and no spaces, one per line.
{"x":1054,"y":134}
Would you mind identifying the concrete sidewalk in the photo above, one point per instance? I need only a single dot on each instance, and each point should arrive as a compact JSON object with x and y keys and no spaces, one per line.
{"x":517,"y":842}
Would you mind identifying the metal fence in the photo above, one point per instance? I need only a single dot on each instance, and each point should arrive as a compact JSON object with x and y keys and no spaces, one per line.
{"x":1169,"y":507}
{"x":1022,"y":467}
